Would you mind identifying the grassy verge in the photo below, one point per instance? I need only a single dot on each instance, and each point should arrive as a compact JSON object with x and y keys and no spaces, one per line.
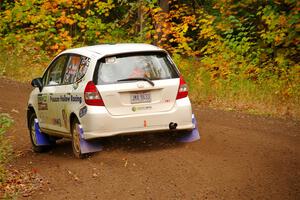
{"x":5,"y":147}
{"x":266,"y":96}
{"x":22,"y":63}
{"x":15,"y":182}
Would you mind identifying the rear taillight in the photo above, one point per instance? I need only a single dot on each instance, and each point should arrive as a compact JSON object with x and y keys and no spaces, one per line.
{"x":183,"y":89}
{"x":92,"y":96}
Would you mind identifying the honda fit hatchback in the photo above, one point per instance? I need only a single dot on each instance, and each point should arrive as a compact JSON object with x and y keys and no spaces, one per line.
{"x":108,"y":90}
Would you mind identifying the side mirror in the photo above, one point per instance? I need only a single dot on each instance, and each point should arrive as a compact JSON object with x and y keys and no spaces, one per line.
{"x":37,"y":82}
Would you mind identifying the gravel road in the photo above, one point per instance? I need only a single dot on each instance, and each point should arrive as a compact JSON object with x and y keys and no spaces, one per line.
{"x":239,"y":156}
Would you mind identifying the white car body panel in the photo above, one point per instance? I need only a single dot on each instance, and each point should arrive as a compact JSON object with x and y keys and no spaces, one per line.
{"x":99,"y":123}
{"x":118,"y":116}
{"x":117,"y":96}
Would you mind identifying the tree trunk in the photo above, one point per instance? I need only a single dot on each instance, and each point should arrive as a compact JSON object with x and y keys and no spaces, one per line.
{"x":140,"y":16}
{"x":164,"y":5}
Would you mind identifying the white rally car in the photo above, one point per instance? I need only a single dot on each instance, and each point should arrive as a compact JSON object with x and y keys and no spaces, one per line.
{"x":108,"y":90}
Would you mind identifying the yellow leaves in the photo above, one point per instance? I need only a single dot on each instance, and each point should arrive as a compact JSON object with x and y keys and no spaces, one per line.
{"x":156,"y":10}
{"x":104,"y":7}
{"x":67,"y":2}
{"x":204,"y":21}
{"x":145,"y":9}
{"x":185,"y":46}
{"x":78,"y":6}
{"x":206,"y":33}
{"x":184,"y":29}
{"x":89,"y":12}
{"x":280,"y":59}
{"x":165,"y":25}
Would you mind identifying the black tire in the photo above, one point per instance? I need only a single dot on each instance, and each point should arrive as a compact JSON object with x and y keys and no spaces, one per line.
{"x":32,"y":135}
{"x":76,"y":140}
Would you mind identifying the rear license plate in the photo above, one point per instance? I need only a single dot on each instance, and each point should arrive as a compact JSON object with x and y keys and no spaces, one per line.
{"x":141,"y":97}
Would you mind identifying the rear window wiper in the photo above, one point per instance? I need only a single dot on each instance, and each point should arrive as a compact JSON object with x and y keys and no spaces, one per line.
{"x":138,"y":79}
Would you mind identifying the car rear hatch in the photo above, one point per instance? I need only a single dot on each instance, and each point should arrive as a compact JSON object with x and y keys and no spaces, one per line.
{"x":137,"y":83}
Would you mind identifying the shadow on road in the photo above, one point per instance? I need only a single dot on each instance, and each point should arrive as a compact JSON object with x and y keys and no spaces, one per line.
{"x":130,"y":143}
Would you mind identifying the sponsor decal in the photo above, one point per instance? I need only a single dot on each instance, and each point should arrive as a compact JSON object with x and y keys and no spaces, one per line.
{"x":84,"y":64}
{"x":66,"y":98}
{"x":140,"y":108}
{"x":56,"y":121}
{"x":76,"y":99}
{"x":64,"y":116}
{"x":110,"y":60}
{"x":76,"y":69}
{"x":42,"y":102}
{"x":71,"y":69}
{"x":82,"y":111}
{"x":75,"y":85}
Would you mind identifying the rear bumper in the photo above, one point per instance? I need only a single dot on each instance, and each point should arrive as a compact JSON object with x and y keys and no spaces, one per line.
{"x":99,"y":123}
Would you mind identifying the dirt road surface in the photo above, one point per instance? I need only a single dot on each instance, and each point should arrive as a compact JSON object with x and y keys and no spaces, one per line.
{"x":239,"y":156}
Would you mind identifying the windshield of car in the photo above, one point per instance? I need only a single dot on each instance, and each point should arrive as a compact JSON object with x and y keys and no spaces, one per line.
{"x":153,"y":66}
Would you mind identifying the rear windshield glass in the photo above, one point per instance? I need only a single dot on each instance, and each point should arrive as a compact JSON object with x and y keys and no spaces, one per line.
{"x":155,"y":66}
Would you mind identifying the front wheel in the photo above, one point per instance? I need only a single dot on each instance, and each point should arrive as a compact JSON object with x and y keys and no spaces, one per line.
{"x":32,"y":133}
{"x":76,"y":140}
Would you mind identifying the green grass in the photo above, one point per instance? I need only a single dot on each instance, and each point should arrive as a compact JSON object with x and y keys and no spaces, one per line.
{"x":5,"y":147}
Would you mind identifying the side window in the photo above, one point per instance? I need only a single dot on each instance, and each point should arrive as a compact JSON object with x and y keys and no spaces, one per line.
{"x":54,"y":74}
{"x":76,"y":68}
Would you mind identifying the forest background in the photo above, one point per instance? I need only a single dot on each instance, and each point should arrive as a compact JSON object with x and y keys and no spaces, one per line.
{"x":235,"y":55}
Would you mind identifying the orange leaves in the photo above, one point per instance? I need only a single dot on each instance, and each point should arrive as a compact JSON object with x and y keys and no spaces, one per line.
{"x":54,"y":47}
{"x":277,"y":39}
{"x":65,"y":35}
{"x":65,"y":19}
{"x":282,"y":20}
{"x":46,"y":6}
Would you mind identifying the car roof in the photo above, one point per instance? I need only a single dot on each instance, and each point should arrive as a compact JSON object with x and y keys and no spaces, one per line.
{"x":110,"y":49}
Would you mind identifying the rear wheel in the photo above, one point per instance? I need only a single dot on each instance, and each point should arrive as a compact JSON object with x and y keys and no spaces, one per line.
{"x":32,"y":133}
{"x":76,"y":139}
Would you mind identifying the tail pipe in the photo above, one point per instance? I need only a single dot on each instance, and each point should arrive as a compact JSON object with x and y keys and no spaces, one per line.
{"x":172,"y":126}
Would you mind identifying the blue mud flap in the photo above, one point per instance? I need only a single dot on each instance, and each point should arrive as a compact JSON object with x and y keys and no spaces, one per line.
{"x":192,"y":135}
{"x":88,"y":146}
{"x":41,"y":138}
